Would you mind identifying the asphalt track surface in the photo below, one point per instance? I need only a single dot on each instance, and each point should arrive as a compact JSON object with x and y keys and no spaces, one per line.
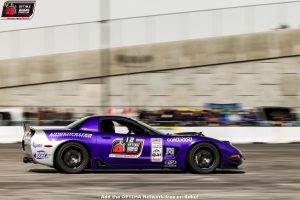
{"x":271,"y":171}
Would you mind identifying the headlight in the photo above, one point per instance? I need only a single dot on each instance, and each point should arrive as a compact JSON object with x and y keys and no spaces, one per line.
{"x":235,"y":156}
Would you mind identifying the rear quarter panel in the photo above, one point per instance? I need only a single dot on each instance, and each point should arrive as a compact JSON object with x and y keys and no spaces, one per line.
{"x":55,"y":138}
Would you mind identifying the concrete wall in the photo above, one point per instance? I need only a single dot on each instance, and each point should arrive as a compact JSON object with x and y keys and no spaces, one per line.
{"x":241,"y":68}
{"x":14,"y":134}
{"x":204,"y":21}
{"x":161,"y":56}
{"x":257,"y":83}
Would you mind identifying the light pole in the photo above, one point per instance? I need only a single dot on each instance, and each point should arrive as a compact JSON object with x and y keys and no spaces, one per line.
{"x":104,"y":54}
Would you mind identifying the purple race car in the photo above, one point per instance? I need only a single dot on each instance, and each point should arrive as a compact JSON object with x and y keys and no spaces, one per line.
{"x":115,"y":142}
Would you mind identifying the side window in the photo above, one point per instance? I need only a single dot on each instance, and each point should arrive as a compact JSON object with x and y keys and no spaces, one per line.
{"x":119,"y":127}
{"x":106,"y":126}
{"x":90,"y":124}
{"x":128,"y":127}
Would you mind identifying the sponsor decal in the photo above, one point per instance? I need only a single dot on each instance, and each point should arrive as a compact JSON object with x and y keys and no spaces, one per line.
{"x":128,"y":147}
{"x":156,"y":150}
{"x":89,"y":129}
{"x":180,"y":139}
{"x":40,"y":155}
{"x":18,"y":10}
{"x":170,"y":163}
{"x":70,"y":134}
{"x":170,"y":151}
{"x":36,"y":145}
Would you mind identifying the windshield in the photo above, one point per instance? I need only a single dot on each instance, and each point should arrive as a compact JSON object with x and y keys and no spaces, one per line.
{"x":150,"y":128}
{"x":76,"y":123}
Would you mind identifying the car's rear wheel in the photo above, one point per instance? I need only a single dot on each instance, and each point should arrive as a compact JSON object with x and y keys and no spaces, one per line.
{"x":72,"y":157}
{"x":203,"y":158}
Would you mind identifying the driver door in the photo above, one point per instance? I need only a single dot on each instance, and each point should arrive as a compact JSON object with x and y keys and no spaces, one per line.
{"x":126,"y":146}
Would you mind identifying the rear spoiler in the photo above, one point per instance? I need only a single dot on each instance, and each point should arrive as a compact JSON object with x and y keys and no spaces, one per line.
{"x":28,"y":130}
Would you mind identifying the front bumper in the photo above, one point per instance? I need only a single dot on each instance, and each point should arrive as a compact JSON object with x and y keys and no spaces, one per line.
{"x":235,"y":161}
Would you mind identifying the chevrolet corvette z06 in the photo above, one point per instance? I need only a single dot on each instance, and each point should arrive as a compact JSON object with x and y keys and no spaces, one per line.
{"x":117,"y":142}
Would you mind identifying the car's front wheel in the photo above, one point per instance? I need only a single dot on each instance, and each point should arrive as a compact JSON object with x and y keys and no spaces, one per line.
{"x":203,"y":158}
{"x":72,"y":157}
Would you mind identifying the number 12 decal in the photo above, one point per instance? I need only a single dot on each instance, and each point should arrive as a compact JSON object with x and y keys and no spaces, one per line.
{"x":128,"y":147}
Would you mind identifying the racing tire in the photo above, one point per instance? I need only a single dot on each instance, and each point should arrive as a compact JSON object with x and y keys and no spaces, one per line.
{"x":72,"y":158}
{"x":57,"y":168}
{"x":203,"y":158}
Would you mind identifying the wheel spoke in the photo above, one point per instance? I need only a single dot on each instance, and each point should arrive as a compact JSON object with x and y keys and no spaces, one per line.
{"x":72,"y":157}
{"x":203,"y":158}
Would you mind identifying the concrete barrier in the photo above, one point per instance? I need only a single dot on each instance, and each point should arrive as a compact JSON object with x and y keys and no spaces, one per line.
{"x":13,"y":134}
{"x":248,"y":134}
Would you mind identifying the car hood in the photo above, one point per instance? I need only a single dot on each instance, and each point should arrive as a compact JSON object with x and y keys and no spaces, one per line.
{"x":189,"y":134}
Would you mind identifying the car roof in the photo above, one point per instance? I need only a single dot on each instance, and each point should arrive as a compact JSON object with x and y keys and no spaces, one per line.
{"x":110,"y":116}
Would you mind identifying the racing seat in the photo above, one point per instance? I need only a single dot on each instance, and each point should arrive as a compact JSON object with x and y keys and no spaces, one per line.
{"x":107,"y":126}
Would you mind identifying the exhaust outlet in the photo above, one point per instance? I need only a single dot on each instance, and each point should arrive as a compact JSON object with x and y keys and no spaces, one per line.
{"x":27,"y":160}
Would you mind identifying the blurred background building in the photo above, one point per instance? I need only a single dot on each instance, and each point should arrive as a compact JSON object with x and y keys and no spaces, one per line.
{"x":246,"y":53}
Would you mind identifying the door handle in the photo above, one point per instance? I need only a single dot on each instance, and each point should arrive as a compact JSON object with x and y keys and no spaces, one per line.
{"x":106,"y":137}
